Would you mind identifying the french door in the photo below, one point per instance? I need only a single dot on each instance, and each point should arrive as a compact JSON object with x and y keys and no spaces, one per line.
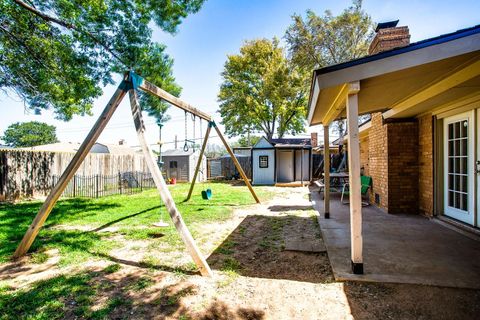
{"x":477,"y":166}
{"x":459,"y":167}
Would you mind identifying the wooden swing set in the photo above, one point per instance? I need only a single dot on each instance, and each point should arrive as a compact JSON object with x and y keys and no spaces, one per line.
{"x":131,"y":83}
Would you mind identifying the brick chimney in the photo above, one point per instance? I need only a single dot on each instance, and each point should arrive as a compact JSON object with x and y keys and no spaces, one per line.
{"x":314,"y":139}
{"x":388,"y":37}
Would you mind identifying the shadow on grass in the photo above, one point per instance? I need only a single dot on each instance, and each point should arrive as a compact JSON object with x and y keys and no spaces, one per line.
{"x":16,"y":218}
{"x":110,"y":294}
{"x":108,"y":224}
{"x":256,"y":249}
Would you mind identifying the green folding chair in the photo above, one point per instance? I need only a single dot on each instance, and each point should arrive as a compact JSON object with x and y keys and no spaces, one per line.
{"x":366,"y":182}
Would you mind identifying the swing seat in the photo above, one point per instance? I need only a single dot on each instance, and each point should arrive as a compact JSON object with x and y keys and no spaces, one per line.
{"x":207,"y":194}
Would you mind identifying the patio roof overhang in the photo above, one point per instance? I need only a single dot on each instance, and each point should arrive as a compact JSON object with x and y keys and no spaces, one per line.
{"x":405,"y":82}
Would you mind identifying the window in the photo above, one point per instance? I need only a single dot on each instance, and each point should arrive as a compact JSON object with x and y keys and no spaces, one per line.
{"x":173,"y":164}
{"x":263,"y":161}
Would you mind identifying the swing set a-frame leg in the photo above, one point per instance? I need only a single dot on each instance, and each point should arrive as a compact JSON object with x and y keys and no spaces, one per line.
{"x":199,"y":162}
{"x":69,"y":172}
{"x":80,"y":155}
{"x":163,"y":189}
{"x":235,"y":161}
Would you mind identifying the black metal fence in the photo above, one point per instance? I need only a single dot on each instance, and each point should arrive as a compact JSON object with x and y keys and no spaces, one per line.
{"x":98,"y":185}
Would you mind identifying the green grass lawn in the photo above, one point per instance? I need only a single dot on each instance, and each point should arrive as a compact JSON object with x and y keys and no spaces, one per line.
{"x":133,"y":215}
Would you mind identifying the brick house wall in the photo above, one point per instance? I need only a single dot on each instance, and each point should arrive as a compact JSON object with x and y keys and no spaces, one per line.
{"x":393,"y":165}
{"x":378,"y":161}
{"x":425,"y":165}
{"x":364,"y":155}
{"x":402,"y":167}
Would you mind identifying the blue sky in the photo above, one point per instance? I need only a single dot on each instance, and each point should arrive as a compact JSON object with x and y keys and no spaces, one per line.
{"x":205,"y":39}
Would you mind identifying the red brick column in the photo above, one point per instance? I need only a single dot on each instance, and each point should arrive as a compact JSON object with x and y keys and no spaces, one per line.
{"x":425,"y":165}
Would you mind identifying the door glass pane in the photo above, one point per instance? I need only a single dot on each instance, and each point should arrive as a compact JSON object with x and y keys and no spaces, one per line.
{"x":464,"y":148}
{"x":464,"y":128}
{"x":464,"y":167}
{"x":457,"y":130}
{"x":458,"y":165}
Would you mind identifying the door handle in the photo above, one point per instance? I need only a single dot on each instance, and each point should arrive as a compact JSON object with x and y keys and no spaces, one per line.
{"x":477,"y":169}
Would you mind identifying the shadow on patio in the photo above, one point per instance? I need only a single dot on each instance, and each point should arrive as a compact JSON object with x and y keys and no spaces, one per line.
{"x":399,"y":248}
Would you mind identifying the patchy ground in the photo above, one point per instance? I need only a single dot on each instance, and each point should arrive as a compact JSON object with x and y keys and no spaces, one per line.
{"x":268,"y":262}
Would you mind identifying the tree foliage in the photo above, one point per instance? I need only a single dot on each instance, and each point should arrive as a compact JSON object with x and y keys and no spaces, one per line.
{"x":57,"y":54}
{"x":28,"y":134}
{"x":262,"y":91}
{"x":318,"y":41}
{"x":246,"y":141}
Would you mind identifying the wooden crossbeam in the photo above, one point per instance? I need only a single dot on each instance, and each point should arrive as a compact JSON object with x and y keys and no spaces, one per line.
{"x":69,"y":172}
{"x":163,"y":189}
{"x":139,"y":82}
{"x":199,"y":162}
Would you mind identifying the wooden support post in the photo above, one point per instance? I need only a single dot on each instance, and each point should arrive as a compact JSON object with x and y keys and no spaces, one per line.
{"x":235,"y":161}
{"x":355,"y":185}
{"x":69,"y":172}
{"x":199,"y":162}
{"x":163,"y":189}
{"x":326,"y":170}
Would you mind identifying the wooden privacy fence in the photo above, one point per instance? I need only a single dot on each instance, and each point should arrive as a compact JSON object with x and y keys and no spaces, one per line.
{"x":224,"y":167}
{"x":27,"y":174}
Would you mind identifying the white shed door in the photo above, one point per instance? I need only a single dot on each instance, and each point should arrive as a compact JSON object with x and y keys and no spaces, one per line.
{"x":459,"y":166}
{"x":284,"y":166}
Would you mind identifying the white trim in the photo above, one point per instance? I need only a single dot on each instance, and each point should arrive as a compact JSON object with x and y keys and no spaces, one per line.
{"x":455,"y":213}
{"x":476,"y":149}
{"x":356,"y":237}
{"x":315,"y":95}
{"x":401,"y":61}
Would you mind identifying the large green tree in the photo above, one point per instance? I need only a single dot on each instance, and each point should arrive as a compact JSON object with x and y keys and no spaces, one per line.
{"x":57,"y":54}
{"x":317,"y":41}
{"x":262,"y":91}
{"x":28,"y":134}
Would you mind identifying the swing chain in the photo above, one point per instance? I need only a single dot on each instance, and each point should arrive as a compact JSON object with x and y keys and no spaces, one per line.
{"x":185,"y":145}
{"x":193,"y":144}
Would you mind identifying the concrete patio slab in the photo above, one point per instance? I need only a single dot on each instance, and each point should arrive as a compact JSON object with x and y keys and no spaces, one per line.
{"x":302,"y":245}
{"x":399,"y":248}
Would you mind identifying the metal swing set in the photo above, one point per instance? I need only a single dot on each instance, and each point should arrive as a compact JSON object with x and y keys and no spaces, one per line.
{"x":131,"y":83}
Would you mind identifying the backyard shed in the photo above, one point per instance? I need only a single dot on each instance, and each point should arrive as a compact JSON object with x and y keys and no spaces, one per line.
{"x":181,"y":164}
{"x":280,"y":161}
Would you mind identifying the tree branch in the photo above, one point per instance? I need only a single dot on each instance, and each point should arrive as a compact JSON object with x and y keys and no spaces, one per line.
{"x":68,"y":26}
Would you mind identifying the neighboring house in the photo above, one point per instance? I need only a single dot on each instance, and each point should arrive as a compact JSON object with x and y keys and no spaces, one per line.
{"x":422,"y":145}
{"x":181,"y":165}
{"x":74,"y":146}
{"x":281,"y":161}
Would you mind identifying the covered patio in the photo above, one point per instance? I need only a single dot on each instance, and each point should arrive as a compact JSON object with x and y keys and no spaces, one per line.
{"x":401,"y":248}
{"x":436,"y":77}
